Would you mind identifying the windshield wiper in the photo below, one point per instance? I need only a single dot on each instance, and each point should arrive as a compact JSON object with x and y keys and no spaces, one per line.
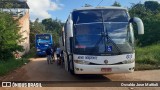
{"x":109,"y":39}
{"x":107,"y":36}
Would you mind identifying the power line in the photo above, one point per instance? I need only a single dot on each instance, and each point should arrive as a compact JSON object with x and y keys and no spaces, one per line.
{"x":99,"y":3}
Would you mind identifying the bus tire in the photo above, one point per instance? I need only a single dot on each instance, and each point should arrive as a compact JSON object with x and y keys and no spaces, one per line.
{"x":66,"y":62}
{"x":71,"y":71}
{"x":68,"y":69}
{"x":71,"y":66}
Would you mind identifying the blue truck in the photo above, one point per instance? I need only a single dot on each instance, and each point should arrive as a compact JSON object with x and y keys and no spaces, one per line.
{"x":42,"y":41}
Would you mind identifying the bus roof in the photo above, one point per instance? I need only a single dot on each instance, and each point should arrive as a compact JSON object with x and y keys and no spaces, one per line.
{"x":95,"y":8}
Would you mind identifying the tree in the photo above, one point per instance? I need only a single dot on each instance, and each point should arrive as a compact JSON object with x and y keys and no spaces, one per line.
{"x":53,"y":26}
{"x":151,"y":22}
{"x":154,"y":6}
{"x":139,"y":10}
{"x":48,"y":25}
{"x":116,"y":4}
{"x":9,"y":37}
{"x":87,"y":5}
{"x":36,"y":27}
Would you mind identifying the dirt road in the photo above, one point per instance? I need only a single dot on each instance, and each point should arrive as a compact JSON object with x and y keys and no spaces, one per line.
{"x":39,"y":70}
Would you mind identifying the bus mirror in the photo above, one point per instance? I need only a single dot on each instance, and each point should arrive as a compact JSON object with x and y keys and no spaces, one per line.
{"x":139,"y":23}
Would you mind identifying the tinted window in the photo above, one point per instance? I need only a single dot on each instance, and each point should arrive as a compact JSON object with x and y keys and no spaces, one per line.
{"x":115,"y":16}
{"x":92,"y":35}
{"x":109,"y":15}
{"x":87,"y":16}
{"x":43,"y":37}
{"x":88,"y":29}
{"x":117,"y":32}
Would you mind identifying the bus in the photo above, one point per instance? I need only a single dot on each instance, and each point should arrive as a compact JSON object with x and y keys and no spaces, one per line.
{"x":42,"y":42}
{"x":99,"y":40}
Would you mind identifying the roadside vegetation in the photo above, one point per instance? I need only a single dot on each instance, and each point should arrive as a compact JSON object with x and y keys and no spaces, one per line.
{"x":9,"y":36}
{"x":12,"y":64}
{"x":147,"y":45}
{"x":9,"y":39}
{"x":48,"y":25}
{"x":148,"y":57}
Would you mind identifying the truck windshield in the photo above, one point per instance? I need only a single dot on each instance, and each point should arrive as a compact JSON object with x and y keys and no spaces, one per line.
{"x":102,"y":32}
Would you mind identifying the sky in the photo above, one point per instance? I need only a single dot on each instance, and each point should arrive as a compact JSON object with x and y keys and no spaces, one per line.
{"x":60,"y":9}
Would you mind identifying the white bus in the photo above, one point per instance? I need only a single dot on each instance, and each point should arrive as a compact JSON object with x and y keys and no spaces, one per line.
{"x":99,"y":40}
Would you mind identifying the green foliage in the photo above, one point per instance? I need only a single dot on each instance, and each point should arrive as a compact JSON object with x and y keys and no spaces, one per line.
{"x":36,"y":27}
{"x":53,"y":26}
{"x":9,"y":37}
{"x":48,"y":25}
{"x":149,"y":12}
{"x":149,"y":54}
{"x":30,"y":54}
{"x":87,"y":5}
{"x":148,"y":57}
{"x":154,"y":6}
{"x":55,"y":37}
{"x":116,"y":4}
{"x":10,"y":65}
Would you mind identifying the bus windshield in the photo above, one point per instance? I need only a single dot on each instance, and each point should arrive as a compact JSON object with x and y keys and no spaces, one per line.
{"x":102,"y":32}
{"x":43,"y":40}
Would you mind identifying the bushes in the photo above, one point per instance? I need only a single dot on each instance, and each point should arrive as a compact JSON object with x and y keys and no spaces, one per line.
{"x":149,"y":54}
{"x":12,"y":64}
{"x":9,"y":37}
{"x":148,"y":57}
{"x":149,"y":12}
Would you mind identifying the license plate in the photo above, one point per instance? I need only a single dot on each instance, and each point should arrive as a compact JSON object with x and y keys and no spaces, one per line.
{"x":106,"y":69}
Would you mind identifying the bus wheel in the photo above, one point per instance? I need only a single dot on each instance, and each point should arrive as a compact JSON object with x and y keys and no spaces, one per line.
{"x":66,"y":63}
{"x":71,"y":67}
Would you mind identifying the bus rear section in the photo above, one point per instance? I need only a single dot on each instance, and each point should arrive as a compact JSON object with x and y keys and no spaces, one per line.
{"x":100,"y":41}
{"x":42,"y":42}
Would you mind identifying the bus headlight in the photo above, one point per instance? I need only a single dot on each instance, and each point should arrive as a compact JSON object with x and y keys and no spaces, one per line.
{"x":128,"y":61}
{"x":38,"y":49}
{"x":81,"y":62}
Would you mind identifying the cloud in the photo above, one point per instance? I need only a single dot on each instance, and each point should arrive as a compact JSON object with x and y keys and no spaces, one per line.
{"x":40,"y":8}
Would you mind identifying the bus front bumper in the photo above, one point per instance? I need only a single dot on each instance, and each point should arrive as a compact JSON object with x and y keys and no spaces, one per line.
{"x":41,"y":53}
{"x":103,"y":69}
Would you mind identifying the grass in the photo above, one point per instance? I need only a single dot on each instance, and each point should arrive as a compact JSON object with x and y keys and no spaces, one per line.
{"x":148,"y":57}
{"x":12,"y":64}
